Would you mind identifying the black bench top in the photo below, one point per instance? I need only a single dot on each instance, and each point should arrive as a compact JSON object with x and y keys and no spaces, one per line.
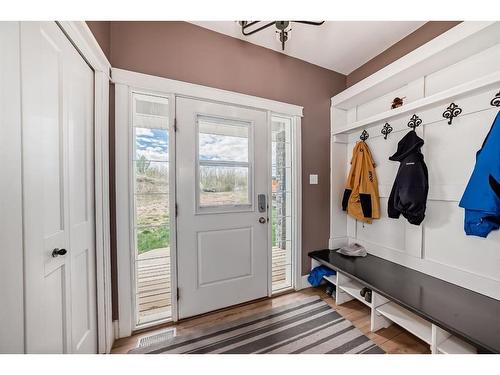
{"x":469,"y":315}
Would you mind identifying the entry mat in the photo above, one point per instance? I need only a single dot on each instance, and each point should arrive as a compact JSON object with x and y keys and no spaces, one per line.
{"x":309,"y":326}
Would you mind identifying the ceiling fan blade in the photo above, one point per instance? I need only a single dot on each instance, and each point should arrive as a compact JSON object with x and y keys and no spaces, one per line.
{"x":246,"y":33}
{"x":313,"y":23}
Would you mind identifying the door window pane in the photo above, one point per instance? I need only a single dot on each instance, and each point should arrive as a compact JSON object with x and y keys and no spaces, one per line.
{"x":222,"y":141}
{"x":224,"y":172}
{"x":220,"y":185}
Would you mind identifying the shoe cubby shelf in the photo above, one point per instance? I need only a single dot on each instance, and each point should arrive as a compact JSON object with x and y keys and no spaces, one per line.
{"x":406,"y":319}
{"x":353,"y":288}
{"x":331,"y":279}
{"x":453,"y":345}
{"x":385,"y":312}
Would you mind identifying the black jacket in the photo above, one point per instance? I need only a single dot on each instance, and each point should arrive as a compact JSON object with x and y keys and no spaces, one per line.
{"x":409,"y":192}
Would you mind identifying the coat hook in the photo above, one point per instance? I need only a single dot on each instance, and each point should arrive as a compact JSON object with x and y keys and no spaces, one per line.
{"x":414,"y":122}
{"x":495,"y":102}
{"x":386,"y":130}
{"x":452,"y":111}
{"x":364,"y":135}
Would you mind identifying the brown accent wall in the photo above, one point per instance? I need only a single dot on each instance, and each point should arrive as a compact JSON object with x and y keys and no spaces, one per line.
{"x":185,"y":52}
{"x":102,"y":33}
{"x":422,"y":35}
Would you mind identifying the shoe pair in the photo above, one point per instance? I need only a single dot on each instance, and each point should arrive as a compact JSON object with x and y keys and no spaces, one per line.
{"x":366,"y":294}
{"x":330,"y":290}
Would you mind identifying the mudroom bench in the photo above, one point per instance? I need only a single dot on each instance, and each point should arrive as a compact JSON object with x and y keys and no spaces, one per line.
{"x":451,"y":319}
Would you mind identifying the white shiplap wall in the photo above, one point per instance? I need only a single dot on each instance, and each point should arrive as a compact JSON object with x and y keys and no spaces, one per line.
{"x":439,"y":246}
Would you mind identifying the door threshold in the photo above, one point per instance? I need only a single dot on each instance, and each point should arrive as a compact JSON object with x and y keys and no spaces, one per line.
{"x":283,"y":291}
{"x":171,"y":323}
{"x":279,"y":294}
{"x":151,"y":326}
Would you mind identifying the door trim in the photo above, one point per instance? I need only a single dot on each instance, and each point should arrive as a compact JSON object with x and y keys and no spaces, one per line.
{"x":128,"y":81}
{"x":84,"y":41}
{"x":180,"y":88}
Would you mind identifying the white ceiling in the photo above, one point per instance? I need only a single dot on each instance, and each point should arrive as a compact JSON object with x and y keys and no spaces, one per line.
{"x":342,"y":46}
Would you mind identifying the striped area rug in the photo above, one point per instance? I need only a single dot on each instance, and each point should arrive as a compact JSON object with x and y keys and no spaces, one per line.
{"x":309,"y":326}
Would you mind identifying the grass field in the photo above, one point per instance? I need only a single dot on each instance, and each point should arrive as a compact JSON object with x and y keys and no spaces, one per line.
{"x":158,"y":236}
{"x":152,"y":206}
{"x":152,"y":238}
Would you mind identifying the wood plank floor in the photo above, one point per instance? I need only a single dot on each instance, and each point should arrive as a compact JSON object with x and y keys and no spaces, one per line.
{"x":393,"y":339}
{"x":153,"y":281}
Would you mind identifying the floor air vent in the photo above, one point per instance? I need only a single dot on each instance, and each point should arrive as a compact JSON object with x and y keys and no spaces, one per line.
{"x":156,"y":338}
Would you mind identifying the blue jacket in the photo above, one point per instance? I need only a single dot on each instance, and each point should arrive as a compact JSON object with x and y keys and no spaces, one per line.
{"x":481,"y":202}
{"x":317,"y":273}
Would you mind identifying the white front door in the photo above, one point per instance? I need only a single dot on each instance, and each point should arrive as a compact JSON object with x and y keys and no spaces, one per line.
{"x":222,"y":223}
{"x":58,"y":193}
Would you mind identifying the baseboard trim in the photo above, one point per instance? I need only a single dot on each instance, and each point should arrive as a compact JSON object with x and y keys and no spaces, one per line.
{"x":303,"y":283}
{"x":116,"y":329}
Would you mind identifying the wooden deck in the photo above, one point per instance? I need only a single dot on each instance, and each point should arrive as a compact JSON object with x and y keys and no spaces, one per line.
{"x":153,"y":282}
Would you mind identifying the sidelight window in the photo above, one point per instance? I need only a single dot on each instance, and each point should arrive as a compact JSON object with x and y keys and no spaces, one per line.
{"x":151,"y":208}
{"x":281,"y":203}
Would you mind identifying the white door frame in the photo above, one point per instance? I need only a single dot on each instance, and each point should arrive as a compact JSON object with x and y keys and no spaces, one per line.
{"x":84,"y":41}
{"x":128,"y":81}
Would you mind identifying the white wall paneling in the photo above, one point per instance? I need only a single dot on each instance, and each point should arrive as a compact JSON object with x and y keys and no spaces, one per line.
{"x":11,"y":226}
{"x":442,"y":71}
{"x":455,"y":45}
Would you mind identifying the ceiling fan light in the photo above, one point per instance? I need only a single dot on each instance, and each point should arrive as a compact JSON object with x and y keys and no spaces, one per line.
{"x":282,"y":25}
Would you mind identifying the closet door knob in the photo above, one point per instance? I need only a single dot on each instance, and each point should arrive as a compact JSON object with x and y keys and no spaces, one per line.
{"x":56,"y":252}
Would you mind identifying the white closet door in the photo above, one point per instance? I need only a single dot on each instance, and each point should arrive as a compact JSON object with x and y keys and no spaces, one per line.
{"x":57,"y":106}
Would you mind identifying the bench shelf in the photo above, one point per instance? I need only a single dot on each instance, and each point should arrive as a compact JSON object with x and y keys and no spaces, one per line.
{"x":422,"y":304}
{"x":353,"y":288}
{"x":409,"y":321}
{"x":453,"y":345}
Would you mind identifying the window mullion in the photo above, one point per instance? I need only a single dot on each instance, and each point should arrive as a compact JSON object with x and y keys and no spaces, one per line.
{"x":223,"y":163}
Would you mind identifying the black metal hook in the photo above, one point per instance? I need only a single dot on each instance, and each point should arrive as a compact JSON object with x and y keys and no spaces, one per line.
{"x":414,"y":122}
{"x":386,"y":130}
{"x":495,"y":102}
{"x":364,"y":135}
{"x":452,"y":111}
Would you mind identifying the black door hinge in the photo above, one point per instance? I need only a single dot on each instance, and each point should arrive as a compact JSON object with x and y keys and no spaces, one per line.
{"x":175,"y":124}
{"x":176,"y":210}
{"x":178,"y":294}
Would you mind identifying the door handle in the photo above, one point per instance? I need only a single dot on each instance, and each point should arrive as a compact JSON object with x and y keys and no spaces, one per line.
{"x":262,"y":220}
{"x":56,"y":252}
{"x":261,"y":199}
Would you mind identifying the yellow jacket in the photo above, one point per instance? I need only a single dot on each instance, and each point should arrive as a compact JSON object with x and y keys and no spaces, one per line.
{"x":361,"y":198}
